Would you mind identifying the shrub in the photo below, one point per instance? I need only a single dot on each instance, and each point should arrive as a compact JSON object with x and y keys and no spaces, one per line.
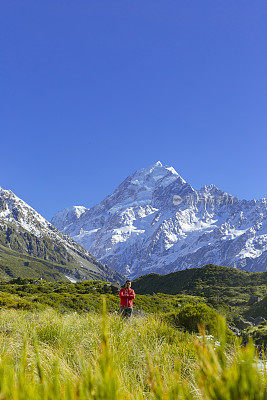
{"x":191,"y":316}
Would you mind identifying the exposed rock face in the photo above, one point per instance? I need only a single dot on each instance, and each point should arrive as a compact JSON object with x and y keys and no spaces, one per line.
{"x":156,"y":222}
{"x":24,"y":230}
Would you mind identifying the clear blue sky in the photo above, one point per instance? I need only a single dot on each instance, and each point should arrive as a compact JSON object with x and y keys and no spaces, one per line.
{"x":93,"y":90}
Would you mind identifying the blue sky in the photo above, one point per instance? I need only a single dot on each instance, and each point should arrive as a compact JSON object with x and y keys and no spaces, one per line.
{"x":93,"y":90}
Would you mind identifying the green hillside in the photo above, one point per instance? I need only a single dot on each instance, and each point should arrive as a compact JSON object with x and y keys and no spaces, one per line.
{"x":259,"y":308}
{"x":227,"y":289}
{"x":202,"y":281}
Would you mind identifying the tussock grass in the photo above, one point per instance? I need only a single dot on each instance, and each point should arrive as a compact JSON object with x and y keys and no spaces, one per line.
{"x":47,"y":355}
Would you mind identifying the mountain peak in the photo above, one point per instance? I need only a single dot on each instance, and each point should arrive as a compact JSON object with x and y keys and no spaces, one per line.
{"x":157,"y":172}
{"x":160,"y":166}
{"x":156,"y":222}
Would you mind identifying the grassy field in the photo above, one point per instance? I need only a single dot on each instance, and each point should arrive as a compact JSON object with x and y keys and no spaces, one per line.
{"x":58,"y":342}
{"x":49,"y":355}
{"x":183,"y":311}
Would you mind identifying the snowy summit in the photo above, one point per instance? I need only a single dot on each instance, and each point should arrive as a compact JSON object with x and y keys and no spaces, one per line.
{"x":156,"y":222}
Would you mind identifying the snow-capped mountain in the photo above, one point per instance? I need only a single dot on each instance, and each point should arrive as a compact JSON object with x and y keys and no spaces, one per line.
{"x":24,"y":230}
{"x":156,"y":222}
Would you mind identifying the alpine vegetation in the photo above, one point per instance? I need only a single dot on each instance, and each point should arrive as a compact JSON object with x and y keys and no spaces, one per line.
{"x":46,"y":355}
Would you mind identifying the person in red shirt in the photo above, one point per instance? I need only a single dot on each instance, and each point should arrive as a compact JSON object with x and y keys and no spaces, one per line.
{"x":126,"y":295}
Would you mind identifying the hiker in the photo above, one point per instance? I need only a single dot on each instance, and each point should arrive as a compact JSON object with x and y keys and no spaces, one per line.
{"x":126,"y":295}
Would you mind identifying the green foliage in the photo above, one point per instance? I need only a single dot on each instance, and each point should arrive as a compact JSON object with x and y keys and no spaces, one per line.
{"x":205,"y":281}
{"x":55,"y":344}
{"x":259,"y":308}
{"x":86,"y":296}
{"x":228,"y":290}
{"x":182,"y":310}
{"x":45,"y":355}
{"x":11,"y":301}
{"x":192,"y":316}
{"x":220,"y":380}
{"x":258,"y":334}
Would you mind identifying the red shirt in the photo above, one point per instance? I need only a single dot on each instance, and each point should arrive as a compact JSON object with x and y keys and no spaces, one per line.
{"x":127,"y":301}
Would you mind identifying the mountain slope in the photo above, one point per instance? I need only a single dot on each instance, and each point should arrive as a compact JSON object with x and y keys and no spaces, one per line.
{"x":25,"y":231}
{"x":14,"y":264}
{"x":156,"y":222}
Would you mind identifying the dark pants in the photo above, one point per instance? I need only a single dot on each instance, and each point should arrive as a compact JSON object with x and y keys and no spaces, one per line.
{"x":126,"y":312}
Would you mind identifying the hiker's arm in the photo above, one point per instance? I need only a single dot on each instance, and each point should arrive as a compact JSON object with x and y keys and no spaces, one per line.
{"x":131,"y":296}
{"x":122,"y":294}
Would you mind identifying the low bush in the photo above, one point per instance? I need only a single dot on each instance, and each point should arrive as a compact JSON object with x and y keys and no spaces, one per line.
{"x":192,"y":316}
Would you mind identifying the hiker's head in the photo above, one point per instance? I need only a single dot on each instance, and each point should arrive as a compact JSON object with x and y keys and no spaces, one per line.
{"x":128,"y":284}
